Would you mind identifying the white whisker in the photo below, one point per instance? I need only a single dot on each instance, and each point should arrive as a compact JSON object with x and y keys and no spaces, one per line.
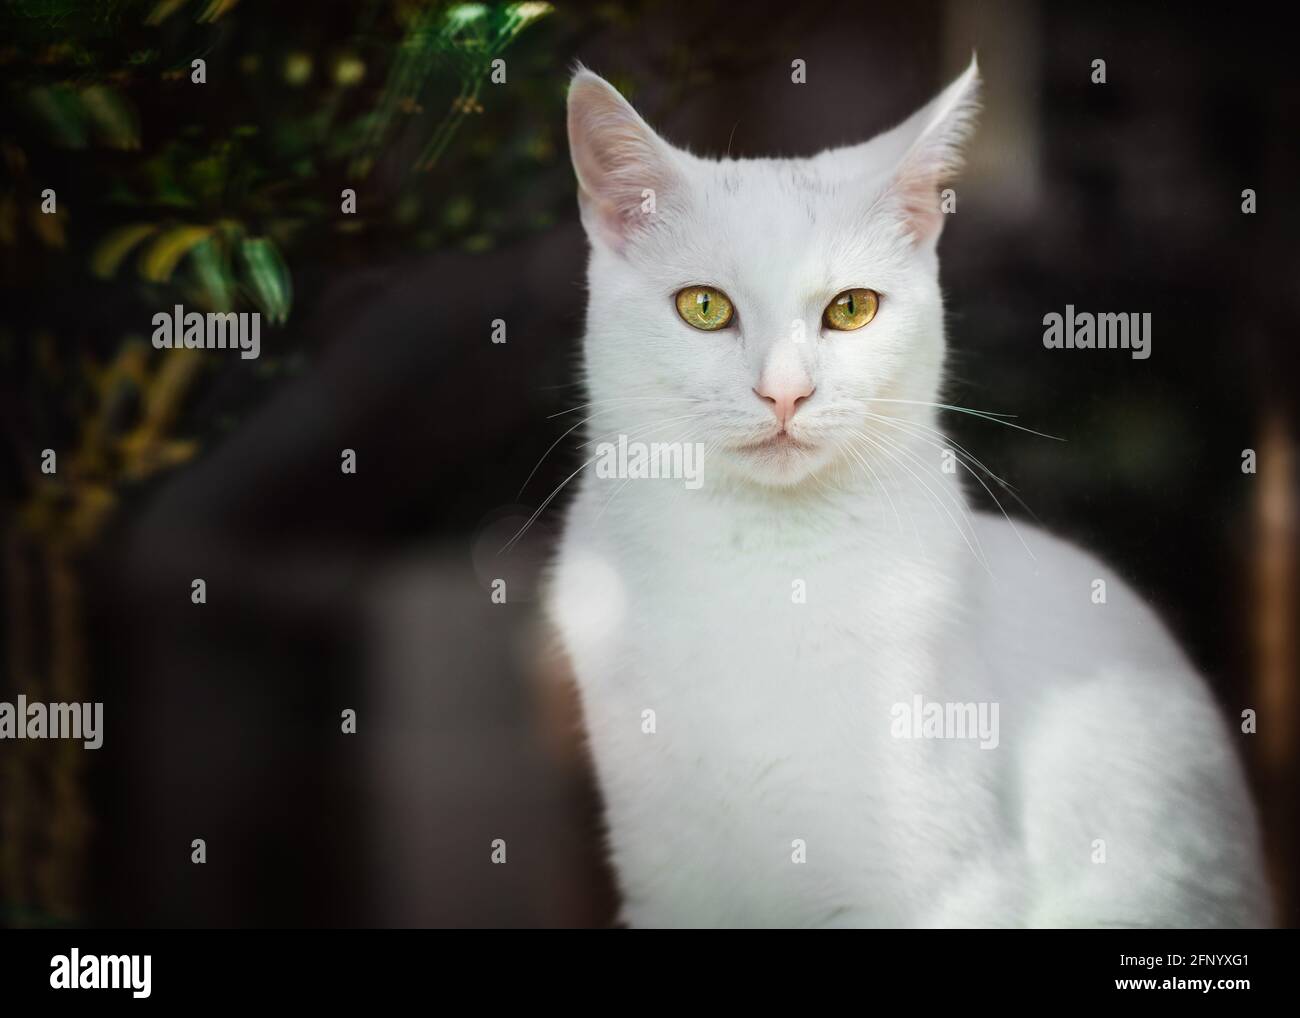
{"x":895,"y":422}
{"x":876,"y":440}
{"x":955,"y":497}
{"x":636,"y":432}
{"x":982,"y":414}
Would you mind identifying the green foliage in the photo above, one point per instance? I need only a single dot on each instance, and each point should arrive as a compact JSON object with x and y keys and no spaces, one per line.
{"x":219,"y":194}
{"x":261,"y":173}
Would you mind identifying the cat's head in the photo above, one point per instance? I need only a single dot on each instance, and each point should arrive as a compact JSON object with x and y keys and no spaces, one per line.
{"x":759,"y":305}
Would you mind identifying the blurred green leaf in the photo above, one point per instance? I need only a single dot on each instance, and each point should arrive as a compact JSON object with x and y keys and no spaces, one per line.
{"x":116,"y":246}
{"x":59,"y":110}
{"x":213,"y":275}
{"x":267,"y":278}
{"x":159,"y":261}
{"x":115,"y":121}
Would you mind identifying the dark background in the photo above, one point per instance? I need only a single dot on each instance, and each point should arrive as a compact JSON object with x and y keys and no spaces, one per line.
{"x":328,"y":591}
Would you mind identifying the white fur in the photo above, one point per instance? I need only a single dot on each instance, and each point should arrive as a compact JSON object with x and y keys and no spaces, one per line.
{"x":773,"y":718}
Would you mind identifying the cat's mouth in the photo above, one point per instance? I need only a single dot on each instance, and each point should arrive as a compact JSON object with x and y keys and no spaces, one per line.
{"x":781,"y":441}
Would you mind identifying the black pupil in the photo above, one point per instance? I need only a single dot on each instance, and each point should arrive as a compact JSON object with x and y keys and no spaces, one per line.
{"x":849,"y":304}
{"x":704,"y":304}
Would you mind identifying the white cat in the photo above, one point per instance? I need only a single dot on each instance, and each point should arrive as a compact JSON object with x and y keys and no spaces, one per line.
{"x":751,"y":651}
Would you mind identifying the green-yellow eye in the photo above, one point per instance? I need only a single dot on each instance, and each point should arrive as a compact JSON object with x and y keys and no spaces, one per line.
{"x":704,"y":307}
{"x":851,"y":310}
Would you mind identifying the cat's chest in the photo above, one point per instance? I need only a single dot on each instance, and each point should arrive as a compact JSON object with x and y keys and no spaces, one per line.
{"x":729,"y":625}
{"x":802,"y":629}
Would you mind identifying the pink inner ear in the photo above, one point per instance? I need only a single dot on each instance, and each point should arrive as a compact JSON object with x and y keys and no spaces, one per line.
{"x":617,"y":158}
{"x":935,"y":157}
{"x":917,"y":195}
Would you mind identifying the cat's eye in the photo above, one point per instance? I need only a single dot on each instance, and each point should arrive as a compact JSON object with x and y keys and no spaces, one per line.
{"x":704,"y":307}
{"x":851,"y":310}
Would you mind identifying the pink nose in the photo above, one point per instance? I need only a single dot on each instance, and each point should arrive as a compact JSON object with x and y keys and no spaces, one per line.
{"x":784,"y":398}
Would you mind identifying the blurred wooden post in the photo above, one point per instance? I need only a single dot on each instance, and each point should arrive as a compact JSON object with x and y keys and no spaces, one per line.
{"x":1275,"y":666}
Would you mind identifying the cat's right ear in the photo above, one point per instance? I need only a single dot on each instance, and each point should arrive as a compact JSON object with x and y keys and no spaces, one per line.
{"x":935,"y":135}
{"x":625,"y":171}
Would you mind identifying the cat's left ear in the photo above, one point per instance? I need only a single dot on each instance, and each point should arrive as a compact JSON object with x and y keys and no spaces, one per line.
{"x":626,"y":173}
{"x":934,"y":155}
